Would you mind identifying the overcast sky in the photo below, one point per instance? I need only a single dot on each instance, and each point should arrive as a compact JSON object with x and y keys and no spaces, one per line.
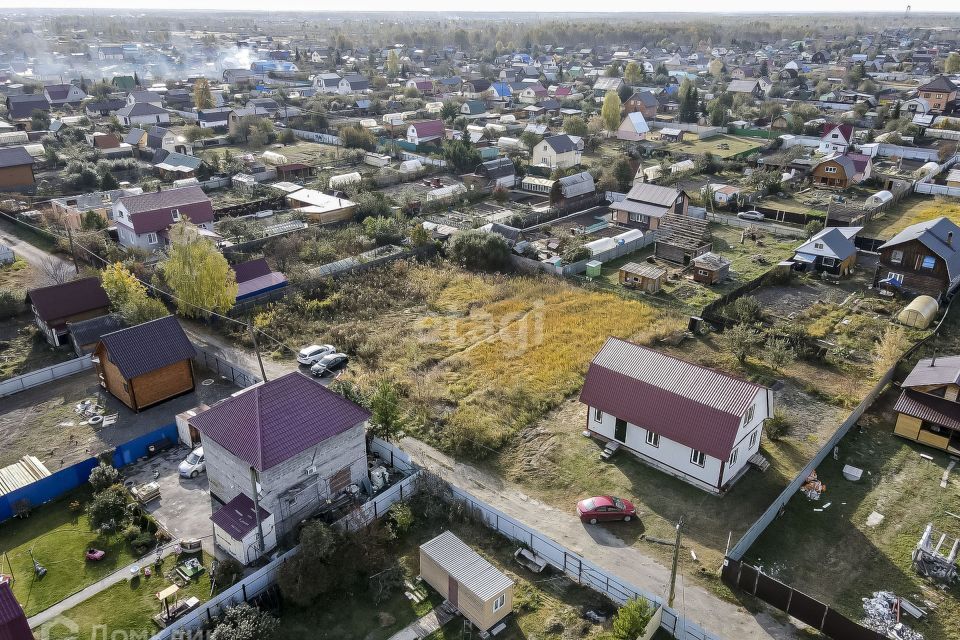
{"x":849,"y":6}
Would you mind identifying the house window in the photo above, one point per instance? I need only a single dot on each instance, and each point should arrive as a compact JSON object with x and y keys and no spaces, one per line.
{"x":597,"y":415}
{"x":498,"y":603}
{"x":703,"y":272}
{"x":829,"y":169}
{"x":697,"y":457}
{"x":928,"y":263}
{"x":818,"y":245}
{"x":828,"y":262}
{"x":896,"y":256}
{"x":733,"y":457}
{"x":176,"y":214}
{"x":753,"y":439}
{"x":653,"y":439}
{"x":747,"y":419}
{"x":151,"y":238}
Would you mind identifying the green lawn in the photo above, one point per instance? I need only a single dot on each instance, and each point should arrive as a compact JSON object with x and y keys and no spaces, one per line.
{"x":737,"y":145}
{"x":126,"y":608}
{"x":58,"y":538}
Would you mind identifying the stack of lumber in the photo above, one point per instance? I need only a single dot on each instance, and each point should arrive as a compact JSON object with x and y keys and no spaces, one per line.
{"x":26,"y":471}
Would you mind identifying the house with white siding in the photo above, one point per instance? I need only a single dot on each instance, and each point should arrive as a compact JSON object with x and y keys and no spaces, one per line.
{"x":697,"y":424}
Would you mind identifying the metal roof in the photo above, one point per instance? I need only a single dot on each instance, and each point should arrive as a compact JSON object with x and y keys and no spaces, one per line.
{"x":148,"y":346}
{"x":14,"y":157}
{"x":929,"y":408}
{"x":70,"y":298}
{"x":466,"y":566}
{"x":13,"y":620}
{"x":831,"y":242}
{"x":90,"y":331}
{"x":577,"y":184}
{"x":643,"y":270}
{"x":684,"y":402}
{"x":944,"y":370}
{"x":940,"y":236}
{"x":237,"y":517}
{"x":653,"y":194}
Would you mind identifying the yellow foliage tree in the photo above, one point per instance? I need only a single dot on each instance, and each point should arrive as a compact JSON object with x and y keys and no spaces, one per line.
{"x":199,"y":276}
{"x":202,"y":97}
{"x":128,"y":296}
{"x":610,"y":112}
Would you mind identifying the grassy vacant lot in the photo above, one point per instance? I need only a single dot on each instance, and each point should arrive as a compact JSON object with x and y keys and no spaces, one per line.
{"x":737,"y":146}
{"x":545,"y":606}
{"x":911,"y":211}
{"x":836,"y":556}
{"x":58,"y":537}
{"x":750,"y":258}
{"x":126,"y":608}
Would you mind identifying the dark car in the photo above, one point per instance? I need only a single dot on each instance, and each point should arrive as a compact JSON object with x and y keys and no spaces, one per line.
{"x":605,"y":508}
{"x":329,"y":364}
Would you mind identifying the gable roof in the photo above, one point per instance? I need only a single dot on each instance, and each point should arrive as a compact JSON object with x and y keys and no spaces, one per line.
{"x":14,"y":157}
{"x":940,"y":83}
{"x":845,"y":131}
{"x":684,"y":402}
{"x":561,"y":143}
{"x":147,"y":347}
{"x":637,"y":122}
{"x":742,"y":86}
{"x":67,"y":299}
{"x":934,"y":235}
{"x":271,"y":422}
{"x":428,"y":128}
{"x":836,"y":243}
{"x":647,"y":98}
{"x":929,"y":408}
{"x":138,"y":109}
{"x":577,"y":184}
{"x":24,"y":106}
{"x":653,"y":194}
{"x":90,"y":331}
{"x":251,"y":269}
{"x":151,"y":211}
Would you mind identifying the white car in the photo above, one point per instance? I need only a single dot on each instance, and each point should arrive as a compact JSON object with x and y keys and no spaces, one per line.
{"x":751,"y":215}
{"x":193,"y":465}
{"x":314,"y":353}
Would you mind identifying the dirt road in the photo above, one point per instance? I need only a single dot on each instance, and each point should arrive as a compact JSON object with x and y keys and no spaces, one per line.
{"x":601,"y":547}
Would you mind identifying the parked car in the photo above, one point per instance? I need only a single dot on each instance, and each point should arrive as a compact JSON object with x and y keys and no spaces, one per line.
{"x":329,"y":363}
{"x":753,"y":214}
{"x":314,"y":353}
{"x":194,"y":464}
{"x":605,"y":508}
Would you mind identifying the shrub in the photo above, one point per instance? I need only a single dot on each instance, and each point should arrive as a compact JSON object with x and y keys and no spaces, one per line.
{"x":632,"y":619}
{"x":107,"y":508}
{"x":142,"y":543}
{"x":741,"y":341}
{"x":11,"y":304}
{"x":777,"y":426}
{"x":103,"y":476}
{"x":399,"y":519}
{"x":131,"y":532}
{"x":779,"y":352}
{"x":243,"y":622}
{"x":744,"y":309}
{"x":480,"y":251}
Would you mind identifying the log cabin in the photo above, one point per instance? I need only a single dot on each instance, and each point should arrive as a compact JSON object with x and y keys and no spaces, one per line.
{"x":921,"y":260}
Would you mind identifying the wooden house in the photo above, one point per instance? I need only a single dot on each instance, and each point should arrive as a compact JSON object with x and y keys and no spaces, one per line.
{"x":646,"y":204}
{"x":710,"y":268}
{"x":147,"y":363}
{"x":830,"y":251}
{"x":55,"y":306}
{"x":921,"y":260}
{"x":480,"y":591}
{"x":842,"y":171}
{"x":928,"y":410}
{"x":644,"y":276}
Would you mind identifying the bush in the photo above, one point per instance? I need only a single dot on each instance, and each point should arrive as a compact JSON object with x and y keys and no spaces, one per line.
{"x":632,"y":619}
{"x":480,"y":251}
{"x":143,"y":543}
{"x":243,"y":622}
{"x":358,"y":138}
{"x":131,"y":532}
{"x":777,"y":426}
{"x":744,"y":309}
{"x":383,"y":230}
{"x":103,"y":476}
{"x":11,"y":304}
{"x":107,"y":508}
{"x":399,"y":519}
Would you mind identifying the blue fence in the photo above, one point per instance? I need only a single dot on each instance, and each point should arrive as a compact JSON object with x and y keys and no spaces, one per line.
{"x":68,"y":479}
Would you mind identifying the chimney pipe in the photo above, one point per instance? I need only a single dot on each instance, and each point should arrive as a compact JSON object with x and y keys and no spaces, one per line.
{"x":949,"y":238}
{"x":933,"y":360}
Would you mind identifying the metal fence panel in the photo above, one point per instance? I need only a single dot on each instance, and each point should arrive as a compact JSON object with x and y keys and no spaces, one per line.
{"x":42,"y":376}
{"x":807,"y":610}
{"x":838,"y":626}
{"x":773,"y":591}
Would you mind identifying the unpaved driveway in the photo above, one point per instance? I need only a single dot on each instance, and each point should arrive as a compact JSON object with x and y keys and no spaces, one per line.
{"x":601,"y":547}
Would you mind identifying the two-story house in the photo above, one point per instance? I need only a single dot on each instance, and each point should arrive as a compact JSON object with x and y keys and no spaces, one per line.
{"x":144,"y":220}
{"x":928,"y":409}
{"x":836,"y":138}
{"x":841,"y":171}
{"x":140,"y":113}
{"x":691,"y":422}
{"x":643,"y":102}
{"x":287,"y":445}
{"x":940,"y":93}
{"x":353,"y":84}
{"x":558,"y":152}
{"x":425,"y":131}
{"x":646,"y":204}
{"x":921,"y":260}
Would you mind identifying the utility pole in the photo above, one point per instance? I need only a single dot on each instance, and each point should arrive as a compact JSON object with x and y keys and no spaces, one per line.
{"x":73,"y":253}
{"x":673,"y":569}
{"x":256,"y":347}
{"x":256,"y":508}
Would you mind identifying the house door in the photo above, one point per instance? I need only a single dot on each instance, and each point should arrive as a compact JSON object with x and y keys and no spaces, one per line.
{"x":452,"y":591}
{"x":194,"y":435}
{"x":620,"y":430}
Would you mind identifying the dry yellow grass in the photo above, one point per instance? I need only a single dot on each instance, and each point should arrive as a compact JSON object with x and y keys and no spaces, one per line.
{"x":912,"y":211}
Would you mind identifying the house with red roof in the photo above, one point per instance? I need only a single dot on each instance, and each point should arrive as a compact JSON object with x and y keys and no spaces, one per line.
{"x":55,"y":306}
{"x":697,"y":424}
{"x":144,"y":220}
{"x":286,"y":446}
{"x":425,"y":131}
{"x":836,"y":138}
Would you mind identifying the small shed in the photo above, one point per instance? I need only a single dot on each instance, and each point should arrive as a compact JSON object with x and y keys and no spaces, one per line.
{"x":646,"y":277}
{"x":710,"y":268}
{"x":480,"y":591}
{"x":920,"y":313}
{"x":235,"y":529}
{"x":13,"y":620}
{"x":594,"y":268}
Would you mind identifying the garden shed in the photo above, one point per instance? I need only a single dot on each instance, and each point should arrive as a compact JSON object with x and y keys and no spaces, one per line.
{"x":480,"y":591}
{"x":920,"y":313}
{"x":646,"y":277}
{"x":710,"y":268}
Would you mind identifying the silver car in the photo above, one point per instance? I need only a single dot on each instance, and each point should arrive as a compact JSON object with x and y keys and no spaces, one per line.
{"x":193,"y":465}
{"x":314,"y":353}
{"x":751,"y":215}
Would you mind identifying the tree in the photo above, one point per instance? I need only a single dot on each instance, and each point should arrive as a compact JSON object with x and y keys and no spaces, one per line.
{"x":741,"y":340}
{"x":107,"y":508}
{"x":779,"y":353}
{"x":461,"y":154}
{"x":103,"y":476}
{"x":575,"y":126}
{"x":383,"y":230}
{"x":479,"y":250}
{"x":610,"y":112}
{"x":371,"y":203}
{"x":386,"y":415}
{"x":623,"y":174}
{"x":529,"y":140}
{"x":202,"y":96}
{"x":715,"y":67}
{"x":632,"y":619}
{"x":199,"y":276}
{"x":689,"y":101}
{"x":93,"y":221}
{"x":108,"y":182}
{"x":393,"y":63}
{"x":243,"y":622}
{"x":310,"y":573}
{"x":55,"y":270}
{"x":256,"y":138}
{"x":128,"y":296}
{"x":633,"y":73}
{"x":39,"y":120}
{"x":952,"y":63}
{"x":358,"y":138}
{"x":449,"y":110}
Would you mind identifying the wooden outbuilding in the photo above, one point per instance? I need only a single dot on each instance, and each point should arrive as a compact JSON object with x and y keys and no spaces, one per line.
{"x":646,"y":277}
{"x":147,"y":363}
{"x":477,"y":589}
{"x":710,"y":268}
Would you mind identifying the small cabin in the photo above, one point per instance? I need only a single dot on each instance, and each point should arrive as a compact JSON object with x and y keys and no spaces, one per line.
{"x":646,"y":277}
{"x":710,"y":268}
{"x":473,"y":586}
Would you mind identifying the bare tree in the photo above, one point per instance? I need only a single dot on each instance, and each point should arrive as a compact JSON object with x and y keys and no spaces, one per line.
{"x":56,"y":270}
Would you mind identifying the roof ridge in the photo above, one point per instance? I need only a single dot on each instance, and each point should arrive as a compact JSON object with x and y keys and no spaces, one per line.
{"x":259,"y":429}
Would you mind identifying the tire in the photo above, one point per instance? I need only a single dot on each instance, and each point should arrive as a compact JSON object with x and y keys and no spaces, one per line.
{"x":593,"y":521}
{"x":626,"y":518}
{"x":194,"y":474}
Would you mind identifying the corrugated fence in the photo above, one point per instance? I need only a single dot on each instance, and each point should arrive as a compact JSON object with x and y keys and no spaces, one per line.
{"x":45,"y":375}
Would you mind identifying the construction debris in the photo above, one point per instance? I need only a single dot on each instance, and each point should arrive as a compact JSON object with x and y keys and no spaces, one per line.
{"x":946,"y":473}
{"x":812,"y":488}
{"x":874,"y":519}
{"x":929,"y":559}
{"x":882,"y":614}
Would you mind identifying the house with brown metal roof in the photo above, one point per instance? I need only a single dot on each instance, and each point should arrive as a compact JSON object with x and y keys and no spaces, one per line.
{"x":16,"y":169}
{"x":928,"y":409}
{"x":646,"y":204}
{"x":940,"y":93}
{"x":697,"y":424}
{"x":144,"y":220}
{"x":55,"y":306}
{"x":293,"y":439}
{"x":147,"y":363}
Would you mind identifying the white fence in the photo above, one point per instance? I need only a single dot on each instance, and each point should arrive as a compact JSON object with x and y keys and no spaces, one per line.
{"x":406,"y":155}
{"x":943,"y":134}
{"x":936,"y":189}
{"x":45,"y":375}
{"x":908,"y":153}
{"x":325,"y":138}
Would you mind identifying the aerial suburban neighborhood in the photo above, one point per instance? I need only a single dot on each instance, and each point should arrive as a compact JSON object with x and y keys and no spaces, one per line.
{"x":445,"y":323}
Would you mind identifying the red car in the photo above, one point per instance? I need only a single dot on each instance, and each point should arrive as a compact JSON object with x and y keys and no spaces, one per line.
{"x":603,"y":508}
